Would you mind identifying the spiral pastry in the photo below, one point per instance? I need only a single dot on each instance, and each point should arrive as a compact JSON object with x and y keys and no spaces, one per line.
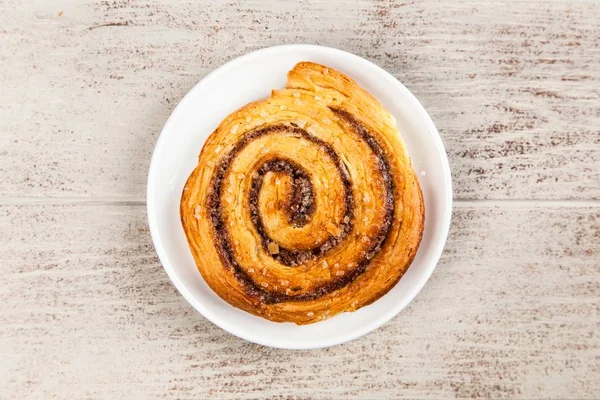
{"x":305,"y":204}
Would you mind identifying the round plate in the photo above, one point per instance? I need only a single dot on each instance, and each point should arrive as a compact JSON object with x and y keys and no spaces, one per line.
{"x":252,"y":77}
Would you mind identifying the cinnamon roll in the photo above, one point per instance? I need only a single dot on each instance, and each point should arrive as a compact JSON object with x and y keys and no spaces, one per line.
{"x":305,"y":204}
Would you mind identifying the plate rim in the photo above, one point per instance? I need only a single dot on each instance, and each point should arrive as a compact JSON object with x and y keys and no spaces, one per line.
{"x":162,"y":253}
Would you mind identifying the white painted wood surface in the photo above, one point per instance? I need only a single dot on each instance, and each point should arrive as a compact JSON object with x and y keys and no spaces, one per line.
{"x":512,"y":311}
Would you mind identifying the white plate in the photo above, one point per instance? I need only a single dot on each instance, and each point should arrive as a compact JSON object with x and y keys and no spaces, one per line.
{"x":252,"y":77}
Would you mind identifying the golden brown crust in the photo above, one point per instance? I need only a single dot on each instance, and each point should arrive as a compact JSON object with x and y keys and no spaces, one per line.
{"x":305,"y":204}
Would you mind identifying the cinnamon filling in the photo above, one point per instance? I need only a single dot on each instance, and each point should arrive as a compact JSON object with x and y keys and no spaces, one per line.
{"x":301,"y":209}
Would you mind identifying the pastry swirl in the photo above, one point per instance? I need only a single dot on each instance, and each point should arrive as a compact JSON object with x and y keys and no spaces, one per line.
{"x":305,"y":204}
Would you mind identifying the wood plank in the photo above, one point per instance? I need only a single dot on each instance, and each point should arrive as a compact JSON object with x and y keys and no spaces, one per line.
{"x":512,"y":311}
{"x":511,"y":85}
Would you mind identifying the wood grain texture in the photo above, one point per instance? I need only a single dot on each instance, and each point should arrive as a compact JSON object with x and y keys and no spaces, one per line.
{"x":511,"y":85}
{"x":512,"y":311}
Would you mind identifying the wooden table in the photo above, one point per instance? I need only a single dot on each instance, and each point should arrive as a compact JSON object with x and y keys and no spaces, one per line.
{"x":513,"y":308}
